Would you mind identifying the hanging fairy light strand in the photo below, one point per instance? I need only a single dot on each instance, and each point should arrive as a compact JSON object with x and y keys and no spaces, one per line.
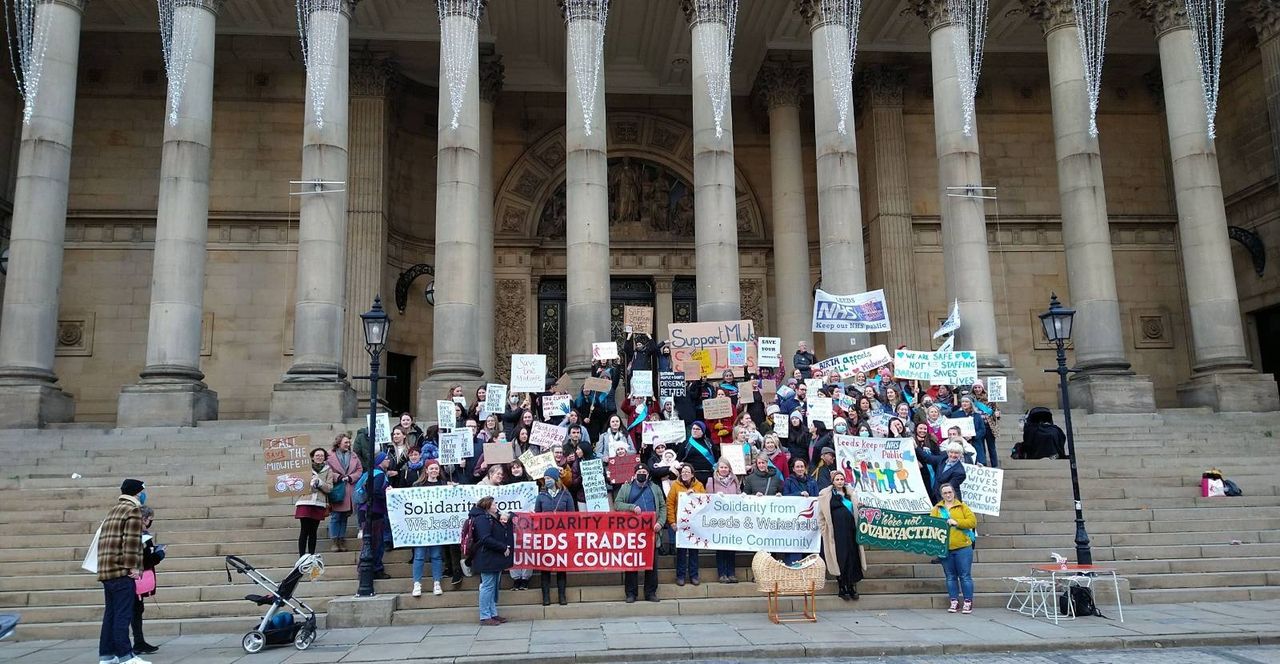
{"x":457,"y":49}
{"x":28,"y":33}
{"x":842,"y":51}
{"x":177,"y":43}
{"x":968,"y":42}
{"x":1207,"y":18}
{"x":319,"y":48}
{"x":586,"y":48}
{"x":717,"y":55}
{"x":1091,"y":23}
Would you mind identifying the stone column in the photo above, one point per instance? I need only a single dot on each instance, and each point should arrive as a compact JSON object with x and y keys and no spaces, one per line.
{"x":372,"y":80}
{"x":966,"y":265}
{"x":844,"y":269}
{"x":782,"y":85}
{"x":1105,"y":383}
{"x":1264,"y":15}
{"x":663,"y":306}
{"x":715,"y":226}
{"x":1222,"y":375}
{"x":172,"y":391}
{"x":29,"y":393}
{"x":315,"y":389}
{"x":455,"y":355}
{"x":490,"y":86}
{"x":891,"y":221}
{"x":587,"y":211}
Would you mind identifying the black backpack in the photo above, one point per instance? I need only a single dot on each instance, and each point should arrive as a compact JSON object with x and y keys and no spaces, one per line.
{"x":1230,"y":488}
{"x":1082,"y":599}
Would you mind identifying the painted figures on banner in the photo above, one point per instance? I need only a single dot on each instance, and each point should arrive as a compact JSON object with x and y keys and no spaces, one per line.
{"x":884,"y":472}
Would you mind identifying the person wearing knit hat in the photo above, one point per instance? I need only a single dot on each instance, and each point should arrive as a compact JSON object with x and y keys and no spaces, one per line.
{"x":553,"y":498}
{"x":119,"y":564}
{"x":373,"y":512}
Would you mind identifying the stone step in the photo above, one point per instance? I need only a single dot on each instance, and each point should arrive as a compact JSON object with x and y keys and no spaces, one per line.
{"x":1181,"y":595}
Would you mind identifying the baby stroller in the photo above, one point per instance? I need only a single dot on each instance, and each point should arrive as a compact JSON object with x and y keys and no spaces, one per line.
{"x":288,"y":619}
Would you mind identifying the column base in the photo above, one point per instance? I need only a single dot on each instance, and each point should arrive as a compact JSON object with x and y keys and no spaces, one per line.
{"x":1231,"y":392}
{"x":166,"y":404}
{"x":375,"y":611}
{"x":31,"y":406}
{"x":1112,"y":393}
{"x":308,"y":402}
{"x":436,"y":388}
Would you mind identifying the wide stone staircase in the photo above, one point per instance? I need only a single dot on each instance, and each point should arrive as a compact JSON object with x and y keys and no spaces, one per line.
{"x":1140,"y":478}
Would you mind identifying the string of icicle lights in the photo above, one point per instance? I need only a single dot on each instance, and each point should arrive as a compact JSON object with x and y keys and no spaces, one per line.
{"x":971,"y":17}
{"x":842,"y":50}
{"x":177,"y":43}
{"x":717,"y":55}
{"x":458,"y":49}
{"x":1207,"y":18}
{"x":28,"y":33}
{"x":586,"y":21}
{"x":1091,"y":23}
{"x":318,"y":31}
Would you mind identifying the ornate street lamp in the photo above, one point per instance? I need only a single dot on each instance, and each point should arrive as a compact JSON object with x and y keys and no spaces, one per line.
{"x":1057,"y":328}
{"x":376,"y":326}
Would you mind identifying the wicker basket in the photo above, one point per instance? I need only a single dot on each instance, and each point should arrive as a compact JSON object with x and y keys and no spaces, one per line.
{"x":773,"y":576}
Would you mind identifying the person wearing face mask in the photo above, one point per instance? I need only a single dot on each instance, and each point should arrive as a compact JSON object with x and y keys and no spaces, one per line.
{"x":120,"y":562}
{"x":553,"y":498}
{"x":839,"y":508}
{"x":639,"y":496}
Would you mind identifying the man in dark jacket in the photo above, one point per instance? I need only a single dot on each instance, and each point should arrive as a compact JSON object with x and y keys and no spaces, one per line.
{"x":804,"y":360}
{"x":120,"y":563}
{"x":641,"y":495}
{"x":373,"y":513}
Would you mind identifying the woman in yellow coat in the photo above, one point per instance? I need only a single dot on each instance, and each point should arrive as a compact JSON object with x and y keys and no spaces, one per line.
{"x":839,"y":523}
{"x":958,"y":564}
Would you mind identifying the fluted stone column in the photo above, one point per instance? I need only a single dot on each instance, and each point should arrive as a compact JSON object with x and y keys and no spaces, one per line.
{"x":715,"y":227}
{"x":587,"y":211}
{"x":172,"y":391}
{"x":1105,"y":383}
{"x":844,"y":269}
{"x":1264,"y":16}
{"x":372,"y":82}
{"x":882,"y":87}
{"x":966,"y":266}
{"x":315,"y":389}
{"x":782,"y":85}
{"x":491,"y":72}
{"x":29,"y":393}
{"x":455,"y":356}
{"x":1222,"y":374}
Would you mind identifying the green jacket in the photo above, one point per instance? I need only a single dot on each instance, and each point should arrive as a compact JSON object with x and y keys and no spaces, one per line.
{"x":620,"y":503}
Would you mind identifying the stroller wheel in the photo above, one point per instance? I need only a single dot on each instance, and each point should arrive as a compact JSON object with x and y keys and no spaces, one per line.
{"x":253,"y":641}
{"x":306,"y":636}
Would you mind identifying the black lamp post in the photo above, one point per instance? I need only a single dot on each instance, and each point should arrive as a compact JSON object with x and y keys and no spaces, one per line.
{"x":1057,"y":328}
{"x":376,"y":322}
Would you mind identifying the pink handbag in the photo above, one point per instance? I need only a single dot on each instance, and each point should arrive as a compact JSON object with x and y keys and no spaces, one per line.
{"x":145,"y":584}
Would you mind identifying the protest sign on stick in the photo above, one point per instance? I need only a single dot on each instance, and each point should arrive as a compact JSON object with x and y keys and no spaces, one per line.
{"x":597,"y":384}
{"x":912,"y":364}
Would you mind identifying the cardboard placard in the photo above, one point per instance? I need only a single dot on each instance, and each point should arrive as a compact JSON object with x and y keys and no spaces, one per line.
{"x":768,"y":389}
{"x":746,"y":392}
{"x":717,"y":408}
{"x":597,"y":385}
{"x":639,"y":319}
{"x":604,"y":350}
{"x":495,"y":453}
{"x":528,"y":373}
{"x":670,"y":384}
{"x":563,"y":384}
{"x":622,"y":468}
{"x":286,"y":466}
{"x":691,"y":368}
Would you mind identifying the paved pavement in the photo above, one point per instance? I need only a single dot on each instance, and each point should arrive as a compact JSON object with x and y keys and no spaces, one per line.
{"x":1209,"y":632}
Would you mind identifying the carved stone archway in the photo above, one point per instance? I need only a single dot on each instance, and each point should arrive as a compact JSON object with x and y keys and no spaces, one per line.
{"x":650,"y":168}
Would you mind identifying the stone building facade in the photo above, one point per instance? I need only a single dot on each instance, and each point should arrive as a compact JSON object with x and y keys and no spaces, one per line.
{"x":525,"y":291}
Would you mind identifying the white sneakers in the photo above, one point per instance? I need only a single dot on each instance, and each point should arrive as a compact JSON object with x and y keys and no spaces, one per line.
{"x":116,"y":660}
{"x":437,"y":590}
{"x":417,"y":589}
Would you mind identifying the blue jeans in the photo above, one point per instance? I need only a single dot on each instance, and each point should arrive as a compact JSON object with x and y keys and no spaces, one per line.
{"x":986,"y":449}
{"x":725,"y":563}
{"x":338,"y":524}
{"x":420,"y":556}
{"x":490,"y":583}
{"x":116,"y":618}
{"x":957,"y":566}
{"x":686,"y":564}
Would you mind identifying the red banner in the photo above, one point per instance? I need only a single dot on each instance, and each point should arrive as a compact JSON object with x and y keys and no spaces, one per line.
{"x":584,"y":541}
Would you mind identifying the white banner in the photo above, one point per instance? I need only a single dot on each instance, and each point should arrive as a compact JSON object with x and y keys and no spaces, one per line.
{"x":956,"y":368}
{"x":495,"y":400}
{"x":859,"y":360}
{"x":670,"y":432}
{"x":747,"y":523}
{"x":997,"y":389}
{"x":642,"y":384}
{"x":862,"y":312}
{"x":594,"y":488}
{"x":528,"y":373}
{"x":952,"y":323}
{"x":884,"y":472}
{"x":769,"y":351}
{"x":455,"y":446}
{"x":433,"y":515}
{"x":982,"y":488}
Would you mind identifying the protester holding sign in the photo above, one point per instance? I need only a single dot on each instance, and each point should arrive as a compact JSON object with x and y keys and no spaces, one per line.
{"x":686,"y":559}
{"x":311,"y":508}
{"x":726,"y":483}
{"x":639,"y":496}
{"x":553,"y":499}
{"x":493,"y":554}
{"x":698,"y":451}
{"x":948,"y":469}
{"x":840,"y":550}
{"x":346,"y":469}
{"x":958,"y":564}
{"x":430,"y":477}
